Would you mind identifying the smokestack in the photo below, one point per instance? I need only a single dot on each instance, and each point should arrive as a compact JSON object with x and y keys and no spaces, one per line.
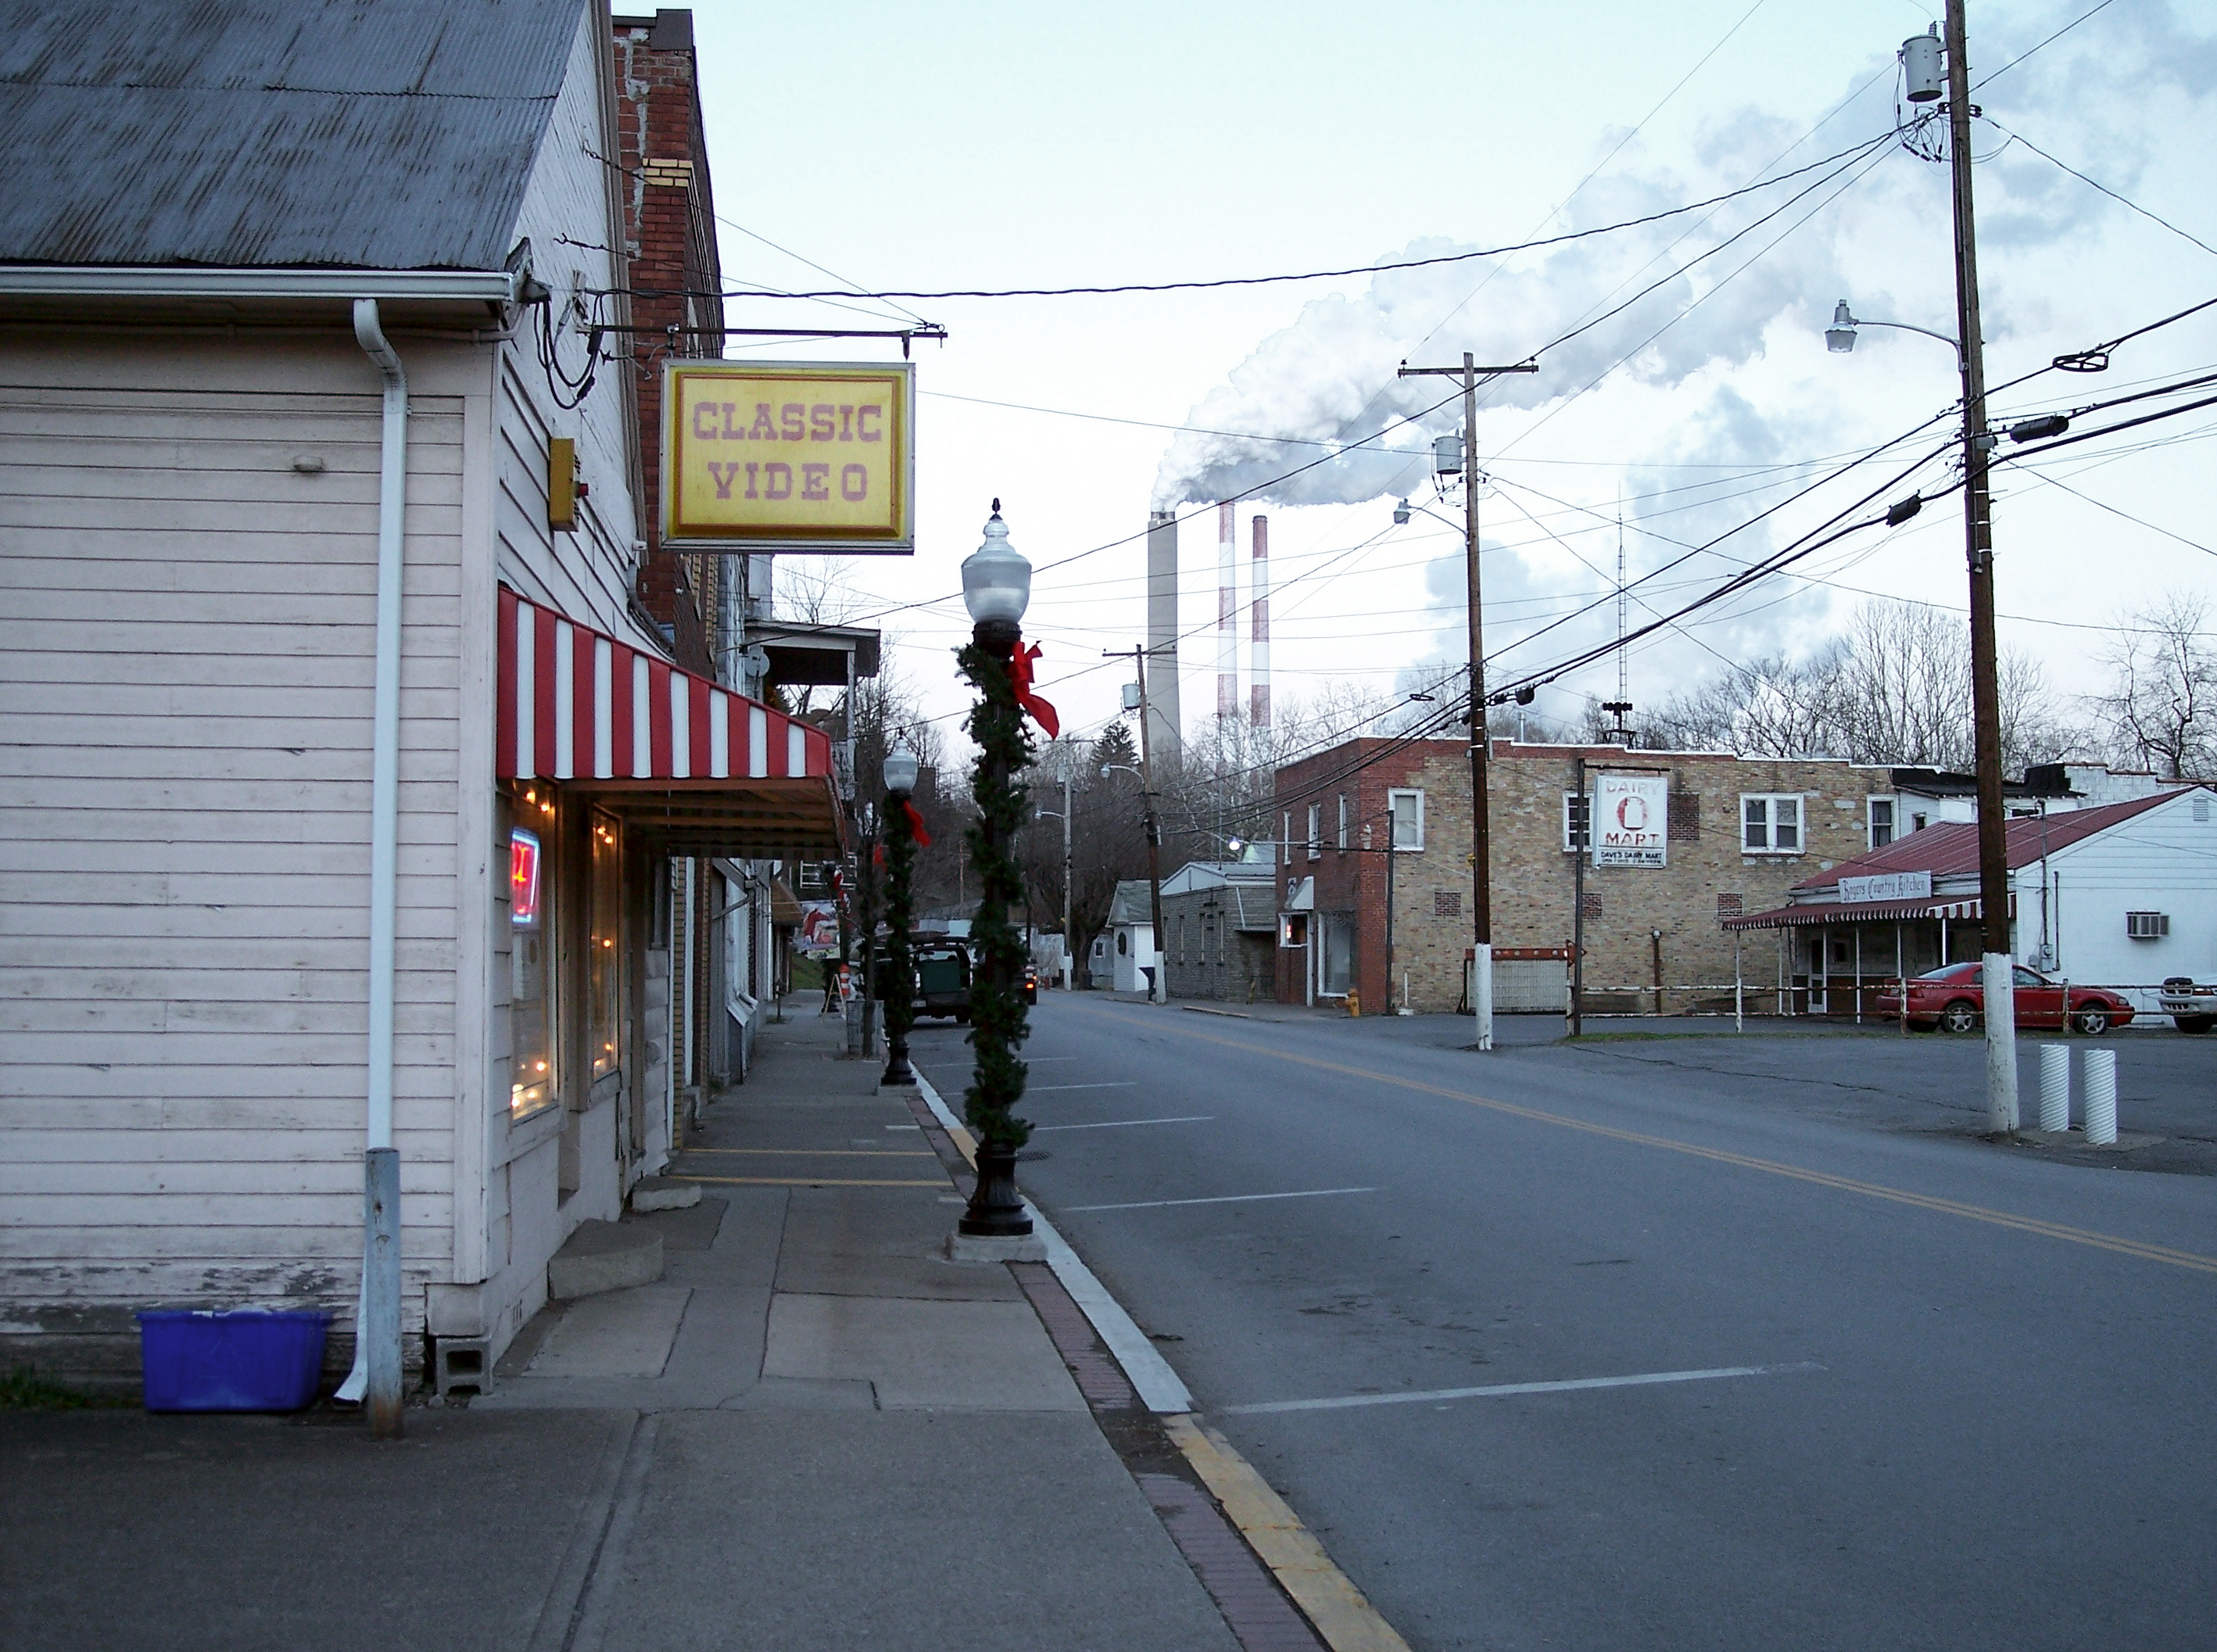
{"x":1163,"y":721}
{"x":1227,"y":614}
{"x":1258,"y":652}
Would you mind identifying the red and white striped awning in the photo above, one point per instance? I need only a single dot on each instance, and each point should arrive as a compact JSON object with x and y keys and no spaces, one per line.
{"x":1822,"y":914}
{"x":577,"y":705}
{"x":706,"y":771}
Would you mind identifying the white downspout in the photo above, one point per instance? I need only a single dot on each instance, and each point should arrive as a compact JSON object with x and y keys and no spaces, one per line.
{"x":377,"y":1340}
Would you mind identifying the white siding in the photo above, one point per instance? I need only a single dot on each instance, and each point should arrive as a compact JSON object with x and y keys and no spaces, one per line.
{"x":186,"y":624}
{"x":2162,"y":860}
{"x":571,"y":198}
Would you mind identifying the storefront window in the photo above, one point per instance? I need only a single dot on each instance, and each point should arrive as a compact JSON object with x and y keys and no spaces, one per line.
{"x":533,"y":1077}
{"x":604,"y":968}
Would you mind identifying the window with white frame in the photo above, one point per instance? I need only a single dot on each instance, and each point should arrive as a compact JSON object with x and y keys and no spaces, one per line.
{"x":1342,"y":819}
{"x":1577,"y":816}
{"x":1316,"y":831}
{"x":1770,"y":823}
{"x":1881,"y":822}
{"x":1408,"y":808}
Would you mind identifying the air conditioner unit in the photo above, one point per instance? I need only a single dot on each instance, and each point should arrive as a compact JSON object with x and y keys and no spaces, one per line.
{"x":2148,"y":925}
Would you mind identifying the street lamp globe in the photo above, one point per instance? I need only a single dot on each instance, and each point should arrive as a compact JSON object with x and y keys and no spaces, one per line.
{"x":1840,"y":337}
{"x":997,"y":581}
{"x":900,"y":770}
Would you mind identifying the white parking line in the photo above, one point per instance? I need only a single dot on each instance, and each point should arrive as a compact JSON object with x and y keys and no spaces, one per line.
{"x":1225,"y":1198}
{"x":1120,"y":1084}
{"x":1347,"y":1402}
{"x":1127,"y":1123}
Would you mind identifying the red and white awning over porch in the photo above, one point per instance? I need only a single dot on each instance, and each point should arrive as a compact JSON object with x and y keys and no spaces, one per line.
{"x":576,"y":704}
{"x":1824,"y":914}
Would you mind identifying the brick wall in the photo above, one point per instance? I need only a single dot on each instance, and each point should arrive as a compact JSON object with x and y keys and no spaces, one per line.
{"x":1533,"y":876}
{"x":670,"y":228}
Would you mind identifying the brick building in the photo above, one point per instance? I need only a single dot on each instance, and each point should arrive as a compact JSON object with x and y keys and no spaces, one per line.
{"x":1741,"y":833}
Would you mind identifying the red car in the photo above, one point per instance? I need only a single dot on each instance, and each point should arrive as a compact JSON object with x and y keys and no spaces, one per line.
{"x":1953,"y":999}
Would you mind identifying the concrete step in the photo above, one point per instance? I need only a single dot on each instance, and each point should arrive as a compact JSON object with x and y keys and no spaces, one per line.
{"x":651,"y":1193}
{"x":604,"y":1256}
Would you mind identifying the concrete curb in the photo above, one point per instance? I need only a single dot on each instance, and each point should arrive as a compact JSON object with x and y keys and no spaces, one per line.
{"x":1159,"y":1386}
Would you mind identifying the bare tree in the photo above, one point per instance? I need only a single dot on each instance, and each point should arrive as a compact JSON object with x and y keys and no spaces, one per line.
{"x":1895,"y":687}
{"x":2161,"y":710}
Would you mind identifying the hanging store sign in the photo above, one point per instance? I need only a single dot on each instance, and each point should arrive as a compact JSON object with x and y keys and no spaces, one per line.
{"x":818,"y":933}
{"x":1888,"y":886}
{"x":1632,"y":816}
{"x":789,"y":456}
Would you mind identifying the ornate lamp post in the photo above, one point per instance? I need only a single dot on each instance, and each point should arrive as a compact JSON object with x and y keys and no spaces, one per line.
{"x":898,"y":985}
{"x":996,"y":587}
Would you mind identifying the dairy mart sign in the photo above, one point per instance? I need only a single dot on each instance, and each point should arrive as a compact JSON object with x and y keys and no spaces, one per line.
{"x":1632,"y":815}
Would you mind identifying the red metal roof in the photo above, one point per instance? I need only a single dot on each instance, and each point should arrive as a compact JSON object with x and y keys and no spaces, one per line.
{"x":1952,"y":849}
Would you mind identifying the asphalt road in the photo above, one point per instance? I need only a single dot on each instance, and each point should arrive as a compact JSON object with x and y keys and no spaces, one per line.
{"x":1977,"y":1412}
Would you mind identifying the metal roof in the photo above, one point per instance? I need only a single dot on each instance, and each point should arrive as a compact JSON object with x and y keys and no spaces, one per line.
{"x":394,"y":135}
{"x":1134,"y":903}
{"x":1952,"y":849}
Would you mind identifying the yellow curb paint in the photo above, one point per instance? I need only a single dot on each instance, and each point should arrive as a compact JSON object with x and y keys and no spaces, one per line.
{"x":1348,"y":1622}
{"x":2134,"y":1247}
{"x":965,"y":1143}
{"x":814,"y":1153}
{"x":806,"y":1181}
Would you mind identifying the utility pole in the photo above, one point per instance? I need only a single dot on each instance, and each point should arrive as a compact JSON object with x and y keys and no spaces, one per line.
{"x":1481,"y":835}
{"x":1069,"y":942}
{"x":1389,"y":911}
{"x":1978,"y":532}
{"x":1159,"y":991}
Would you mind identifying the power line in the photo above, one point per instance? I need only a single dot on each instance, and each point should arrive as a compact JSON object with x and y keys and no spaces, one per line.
{"x":2091,"y":183}
{"x":1567,"y":236}
{"x":2049,"y":42}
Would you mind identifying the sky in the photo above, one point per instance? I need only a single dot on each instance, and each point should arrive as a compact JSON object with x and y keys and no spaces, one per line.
{"x":876,"y":147}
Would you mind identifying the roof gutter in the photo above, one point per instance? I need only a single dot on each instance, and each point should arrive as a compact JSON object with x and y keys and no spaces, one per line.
{"x":119,"y":280}
{"x":376,"y":1374}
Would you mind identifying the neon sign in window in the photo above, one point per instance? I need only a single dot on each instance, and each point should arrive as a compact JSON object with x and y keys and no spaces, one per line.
{"x":523,"y":879}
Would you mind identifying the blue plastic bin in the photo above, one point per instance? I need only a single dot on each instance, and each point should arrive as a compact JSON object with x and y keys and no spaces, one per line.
{"x":246,"y":1359}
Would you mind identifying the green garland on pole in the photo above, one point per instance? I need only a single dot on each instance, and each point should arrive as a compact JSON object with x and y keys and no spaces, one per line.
{"x":897,"y":981}
{"x":999,"y":1023}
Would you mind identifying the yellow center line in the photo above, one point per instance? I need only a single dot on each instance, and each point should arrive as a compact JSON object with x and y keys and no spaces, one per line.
{"x":2123,"y":1246}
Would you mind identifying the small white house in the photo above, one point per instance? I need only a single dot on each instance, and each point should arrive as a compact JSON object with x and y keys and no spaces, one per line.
{"x":1123,"y":956}
{"x":2118,"y":895}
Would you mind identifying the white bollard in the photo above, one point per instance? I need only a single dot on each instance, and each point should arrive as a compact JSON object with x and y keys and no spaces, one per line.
{"x":2055,"y":1085}
{"x":2100,"y":1098}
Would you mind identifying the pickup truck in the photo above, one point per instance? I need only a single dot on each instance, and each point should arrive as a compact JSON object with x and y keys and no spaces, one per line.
{"x":2190,"y":1001}
{"x":942,"y":979}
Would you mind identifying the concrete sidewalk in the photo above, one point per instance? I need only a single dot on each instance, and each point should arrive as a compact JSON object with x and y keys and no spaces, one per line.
{"x":813,"y":1430}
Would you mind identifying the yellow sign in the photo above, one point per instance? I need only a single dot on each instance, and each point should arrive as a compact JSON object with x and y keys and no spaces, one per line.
{"x":789,"y":455}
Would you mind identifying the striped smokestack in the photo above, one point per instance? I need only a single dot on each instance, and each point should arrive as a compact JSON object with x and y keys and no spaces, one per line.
{"x":1164,"y":724}
{"x":1227,"y":613}
{"x":1258,"y":651}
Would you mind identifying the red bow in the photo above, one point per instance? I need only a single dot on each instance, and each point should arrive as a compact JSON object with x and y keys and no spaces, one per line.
{"x":1020,"y":678}
{"x":916,"y":823}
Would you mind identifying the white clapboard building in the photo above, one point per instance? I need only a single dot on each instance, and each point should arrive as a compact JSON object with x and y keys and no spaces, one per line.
{"x":2121,"y":895}
{"x":288,"y":365}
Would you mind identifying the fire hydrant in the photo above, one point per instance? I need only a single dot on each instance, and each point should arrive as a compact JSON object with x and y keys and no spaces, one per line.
{"x":1354,"y":1001}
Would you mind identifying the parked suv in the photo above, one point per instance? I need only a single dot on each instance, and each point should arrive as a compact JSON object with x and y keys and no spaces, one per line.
{"x":942,"y":978}
{"x":2190,"y":1001}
